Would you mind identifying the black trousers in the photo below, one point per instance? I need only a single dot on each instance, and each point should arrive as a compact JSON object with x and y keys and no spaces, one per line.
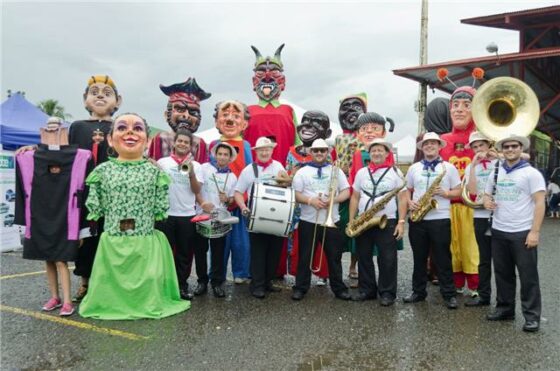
{"x":485,"y":264}
{"x":86,"y":252}
{"x":386,"y":261}
{"x":437,"y":234}
{"x":217,"y":265}
{"x":334,"y":245}
{"x":265,"y":254}
{"x":509,"y":252}
{"x":181,"y":234}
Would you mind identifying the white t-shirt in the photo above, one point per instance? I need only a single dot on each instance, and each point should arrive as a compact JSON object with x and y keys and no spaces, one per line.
{"x":226,"y":182}
{"x":308,"y":183}
{"x":514,"y":196}
{"x":363,"y":184}
{"x":482,"y":176}
{"x":419,"y":180}
{"x":247,"y":176}
{"x":181,"y":197}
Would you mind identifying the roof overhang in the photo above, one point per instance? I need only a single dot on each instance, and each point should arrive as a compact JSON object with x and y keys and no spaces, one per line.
{"x":518,"y":20}
{"x":538,"y":68}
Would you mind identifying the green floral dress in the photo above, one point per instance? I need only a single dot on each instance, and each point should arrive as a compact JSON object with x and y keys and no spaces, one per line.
{"x":133,"y":274}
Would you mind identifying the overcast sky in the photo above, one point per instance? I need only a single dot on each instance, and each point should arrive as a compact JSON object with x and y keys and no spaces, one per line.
{"x":49,"y":50}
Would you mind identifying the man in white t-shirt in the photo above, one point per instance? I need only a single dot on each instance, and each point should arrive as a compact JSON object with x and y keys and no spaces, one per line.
{"x":477,"y":173}
{"x":517,"y":202}
{"x":312,"y":185}
{"x":434,"y":230}
{"x":217,"y":192}
{"x":178,"y":228}
{"x":371,"y":184}
{"x":265,"y":248}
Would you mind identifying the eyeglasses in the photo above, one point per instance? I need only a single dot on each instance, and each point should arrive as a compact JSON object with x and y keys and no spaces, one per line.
{"x":510,"y":146}
{"x":319,"y":150}
{"x":371,"y":127}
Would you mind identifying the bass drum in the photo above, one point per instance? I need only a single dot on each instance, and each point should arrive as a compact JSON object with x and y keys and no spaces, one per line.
{"x":272,"y":210}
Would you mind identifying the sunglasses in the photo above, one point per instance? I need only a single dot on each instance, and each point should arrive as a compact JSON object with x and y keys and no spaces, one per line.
{"x":319,"y":150}
{"x":510,"y":146}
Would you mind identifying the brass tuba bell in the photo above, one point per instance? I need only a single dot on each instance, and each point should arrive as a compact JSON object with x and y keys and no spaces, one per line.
{"x":504,"y":106}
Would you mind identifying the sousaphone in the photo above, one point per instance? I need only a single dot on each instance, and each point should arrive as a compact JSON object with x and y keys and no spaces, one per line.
{"x":500,"y":107}
{"x":504,"y":106}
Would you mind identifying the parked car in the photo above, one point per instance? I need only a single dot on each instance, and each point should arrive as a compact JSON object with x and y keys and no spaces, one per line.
{"x":10,"y":195}
{"x":9,"y":220}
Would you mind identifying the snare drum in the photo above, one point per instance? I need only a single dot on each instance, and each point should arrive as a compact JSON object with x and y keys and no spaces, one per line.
{"x":212,"y":228}
{"x":272,"y":210}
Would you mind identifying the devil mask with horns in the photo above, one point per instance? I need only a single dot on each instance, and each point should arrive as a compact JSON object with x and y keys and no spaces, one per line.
{"x":269,"y":80}
{"x":183,"y":106}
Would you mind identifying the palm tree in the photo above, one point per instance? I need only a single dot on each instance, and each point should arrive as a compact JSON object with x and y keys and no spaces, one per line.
{"x":52,"y":108}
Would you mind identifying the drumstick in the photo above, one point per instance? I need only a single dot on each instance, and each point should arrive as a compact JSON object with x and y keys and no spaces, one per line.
{"x":217,"y":186}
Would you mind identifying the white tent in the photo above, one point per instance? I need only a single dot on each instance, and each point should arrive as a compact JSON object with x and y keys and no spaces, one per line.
{"x":405,"y":149}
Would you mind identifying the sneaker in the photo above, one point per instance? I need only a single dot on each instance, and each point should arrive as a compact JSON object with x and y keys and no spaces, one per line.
{"x":321,"y":282}
{"x":239,"y":280}
{"x":474,"y":293}
{"x":52,"y":304}
{"x":460,"y":290}
{"x":66,"y":310}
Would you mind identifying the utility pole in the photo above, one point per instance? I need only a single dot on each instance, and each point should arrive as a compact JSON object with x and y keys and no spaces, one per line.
{"x":421,"y":103}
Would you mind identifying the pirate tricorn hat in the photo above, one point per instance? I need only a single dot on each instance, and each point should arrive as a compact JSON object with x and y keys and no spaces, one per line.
{"x":188,"y":90}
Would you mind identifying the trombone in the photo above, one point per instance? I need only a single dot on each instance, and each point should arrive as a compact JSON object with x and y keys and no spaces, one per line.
{"x":329,"y":221}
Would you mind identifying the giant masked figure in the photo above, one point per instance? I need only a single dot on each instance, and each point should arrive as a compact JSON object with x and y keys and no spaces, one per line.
{"x":351,"y":107}
{"x":183,"y":111}
{"x":314,"y":125}
{"x":269,"y":118}
{"x":231,"y":120}
{"x":464,"y":249}
{"x":101,"y":100}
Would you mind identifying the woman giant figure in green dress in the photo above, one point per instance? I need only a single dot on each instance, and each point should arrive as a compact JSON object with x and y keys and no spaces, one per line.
{"x":133,"y":274}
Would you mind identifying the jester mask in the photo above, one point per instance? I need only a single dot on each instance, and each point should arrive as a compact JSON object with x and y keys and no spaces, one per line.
{"x":183,"y":106}
{"x":350,"y":109}
{"x":231,"y":118}
{"x":269,"y":80}
{"x":314,"y":125}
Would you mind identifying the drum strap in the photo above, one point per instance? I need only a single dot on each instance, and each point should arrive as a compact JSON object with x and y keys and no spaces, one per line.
{"x":255,"y":170}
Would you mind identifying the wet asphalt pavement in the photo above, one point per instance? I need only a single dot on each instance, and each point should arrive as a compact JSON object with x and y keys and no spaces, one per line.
{"x":320,"y":332}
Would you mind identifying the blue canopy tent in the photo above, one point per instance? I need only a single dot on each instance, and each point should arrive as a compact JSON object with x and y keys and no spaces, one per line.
{"x":20,"y":121}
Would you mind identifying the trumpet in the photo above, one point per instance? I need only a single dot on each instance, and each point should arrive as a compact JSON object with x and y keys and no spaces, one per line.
{"x":185,"y":166}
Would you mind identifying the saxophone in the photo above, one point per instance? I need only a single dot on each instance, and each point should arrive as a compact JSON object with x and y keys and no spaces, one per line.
{"x":368,"y":219}
{"x":427,"y":202}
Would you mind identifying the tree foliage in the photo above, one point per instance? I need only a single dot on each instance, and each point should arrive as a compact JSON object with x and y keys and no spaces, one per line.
{"x":52,"y":108}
